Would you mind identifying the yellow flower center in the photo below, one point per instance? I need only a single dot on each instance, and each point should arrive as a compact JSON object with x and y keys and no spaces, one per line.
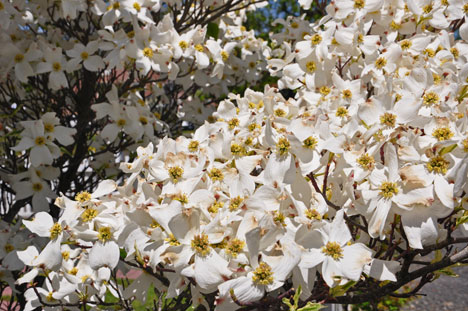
{"x":83,"y":196}
{"x":465,"y":145}
{"x":49,"y":128}
{"x":182,"y":198}
{"x":18,"y":57}
{"x":334,"y":250}
{"x":311,"y":66}
{"x":310,"y":142}
{"x":224,"y":55}
{"x":116,"y":5}
{"x":442,"y":133}
{"x":429,"y":52}
{"x":283,"y":145}
{"x":55,"y":231}
{"x":73,"y":271}
{"x":347,"y":94}
{"x":237,"y":149}
{"x":148,"y":52}
{"x":137,"y":6}
{"x":233,"y":123}
{"x":388,"y":119}
{"x":366,"y":162}
{"x":143,"y":120}
{"x":216,"y":174}
{"x":215,"y":207}
{"x":104,"y":234}
{"x":175,"y":172}
{"x":84,"y":55}
{"x":199,"y":48}
{"x":324,"y":90}
{"x":171,"y":239}
{"x":380,"y":62}
{"x":280,"y":112}
{"x":430,"y":98}
{"x":193,"y":146}
{"x":56,"y":66}
{"x":359,"y":4}
{"x":235,"y":203}
{"x":66,"y":255}
{"x":201,"y":245}
{"x":313,"y":214}
{"x":9,"y":248}
{"x":438,"y":164}
{"x":427,"y":8}
{"x":465,"y":8}
{"x":388,"y":189}
{"x":341,"y":112}
{"x":121,"y":122}
{"x":316,"y":39}
{"x":37,"y":187}
{"x":234,"y":247}
{"x":279,"y":218}
{"x":263,"y":274}
{"x":183,"y":44}
{"x":455,"y":52}
{"x":394,"y":25}
{"x":40,"y":140}
{"x":405,"y":44}
{"x":89,"y":214}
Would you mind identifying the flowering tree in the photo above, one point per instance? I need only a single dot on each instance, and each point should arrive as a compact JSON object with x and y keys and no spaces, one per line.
{"x":336,"y":193}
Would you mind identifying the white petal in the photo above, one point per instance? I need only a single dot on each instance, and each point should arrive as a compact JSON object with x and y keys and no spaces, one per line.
{"x":105,"y":187}
{"x":384,"y":270}
{"x":40,"y":225}
{"x":104,"y":255}
{"x":355,"y":257}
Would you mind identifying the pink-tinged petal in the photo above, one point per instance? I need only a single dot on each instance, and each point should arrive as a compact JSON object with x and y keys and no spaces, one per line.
{"x":377,"y":222}
{"x":105,"y":187}
{"x":415,"y":176}
{"x":104,"y":255}
{"x":339,"y":230}
{"x":384,"y":270}
{"x":312,"y":258}
{"x":418,"y":196}
{"x":40,"y":225}
{"x":444,"y":191}
{"x":355,"y":257}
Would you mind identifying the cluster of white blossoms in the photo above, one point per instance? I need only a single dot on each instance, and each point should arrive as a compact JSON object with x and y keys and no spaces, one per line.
{"x":375,"y":139}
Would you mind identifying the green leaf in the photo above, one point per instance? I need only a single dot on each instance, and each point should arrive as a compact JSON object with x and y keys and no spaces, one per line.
{"x":341,"y":290}
{"x":447,"y":149}
{"x":212,"y":30}
{"x":311,"y":306}
{"x":123,"y":253}
{"x":448,"y":271}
